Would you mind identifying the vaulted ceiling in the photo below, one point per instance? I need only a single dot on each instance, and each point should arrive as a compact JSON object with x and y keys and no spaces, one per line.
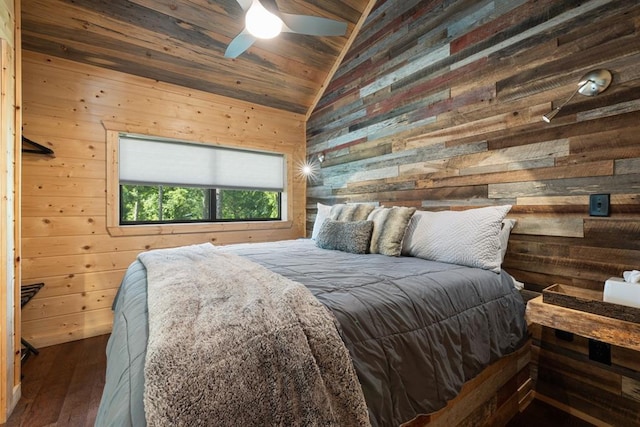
{"x":183,"y":42}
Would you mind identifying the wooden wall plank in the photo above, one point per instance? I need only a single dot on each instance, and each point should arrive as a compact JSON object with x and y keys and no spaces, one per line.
{"x":64,"y":226}
{"x":43,"y":308}
{"x":48,"y":206}
{"x":548,"y":225}
{"x":603,"y":168}
{"x":631,"y":388}
{"x":35,"y":186}
{"x":611,"y":184}
{"x":77,"y":283}
{"x":86,"y":263}
{"x":69,"y":327}
{"x":68,"y":168}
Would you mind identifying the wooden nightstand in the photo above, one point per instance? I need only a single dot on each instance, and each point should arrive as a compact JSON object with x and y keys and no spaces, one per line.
{"x":602,"y":389}
{"x":589,"y":325}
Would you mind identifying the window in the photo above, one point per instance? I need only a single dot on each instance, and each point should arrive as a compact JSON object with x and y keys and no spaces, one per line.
{"x":162,"y":204}
{"x":168,"y":182}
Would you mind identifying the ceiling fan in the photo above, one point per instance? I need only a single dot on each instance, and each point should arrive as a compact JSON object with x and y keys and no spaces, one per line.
{"x":264,"y":20}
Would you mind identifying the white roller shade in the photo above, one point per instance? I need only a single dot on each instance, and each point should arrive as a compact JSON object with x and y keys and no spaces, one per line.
{"x":145,"y":161}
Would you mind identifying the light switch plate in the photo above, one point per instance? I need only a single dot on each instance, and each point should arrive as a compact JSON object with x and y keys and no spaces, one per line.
{"x":599,"y":205}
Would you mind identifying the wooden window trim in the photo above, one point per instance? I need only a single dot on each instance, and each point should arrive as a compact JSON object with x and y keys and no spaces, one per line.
{"x":113,"y":202}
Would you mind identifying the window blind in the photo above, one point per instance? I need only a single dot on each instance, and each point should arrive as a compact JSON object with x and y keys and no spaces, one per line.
{"x":161,"y":162}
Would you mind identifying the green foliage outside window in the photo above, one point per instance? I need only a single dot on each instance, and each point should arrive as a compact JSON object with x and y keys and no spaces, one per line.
{"x":253,"y":204}
{"x":157,"y":204}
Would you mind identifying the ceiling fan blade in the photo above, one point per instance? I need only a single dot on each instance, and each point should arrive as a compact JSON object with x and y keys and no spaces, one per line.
{"x":239,"y":44}
{"x":245,"y":4}
{"x":313,"y":25}
{"x":270,"y":5}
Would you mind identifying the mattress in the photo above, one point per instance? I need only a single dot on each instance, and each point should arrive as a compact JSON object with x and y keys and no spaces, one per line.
{"x":416,"y":330}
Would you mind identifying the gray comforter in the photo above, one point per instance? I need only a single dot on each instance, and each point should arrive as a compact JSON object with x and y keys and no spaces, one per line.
{"x":416,"y":330}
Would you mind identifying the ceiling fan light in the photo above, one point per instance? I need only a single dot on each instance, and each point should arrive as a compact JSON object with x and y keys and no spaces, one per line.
{"x":261,"y":23}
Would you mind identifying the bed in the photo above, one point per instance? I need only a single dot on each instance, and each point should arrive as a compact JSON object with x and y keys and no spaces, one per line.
{"x":416,"y":329}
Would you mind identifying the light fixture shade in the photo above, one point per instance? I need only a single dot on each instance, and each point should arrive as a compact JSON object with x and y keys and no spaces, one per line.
{"x":591,"y":84}
{"x":550,"y":115}
{"x":261,"y":23}
{"x":594,"y":82}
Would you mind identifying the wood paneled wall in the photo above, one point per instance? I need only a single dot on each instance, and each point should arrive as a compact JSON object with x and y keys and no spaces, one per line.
{"x":65,"y":243}
{"x":439,"y":105}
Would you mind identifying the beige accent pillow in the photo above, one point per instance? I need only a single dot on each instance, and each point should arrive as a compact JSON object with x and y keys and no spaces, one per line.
{"x":350,"y":212}
{"x":389,"y":225}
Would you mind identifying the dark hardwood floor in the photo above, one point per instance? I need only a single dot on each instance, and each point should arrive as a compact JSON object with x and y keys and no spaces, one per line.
{"x":62,"y":387}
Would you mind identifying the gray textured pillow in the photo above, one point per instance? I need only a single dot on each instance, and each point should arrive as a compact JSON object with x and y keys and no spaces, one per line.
{"x":353,"y":212}
{"x":346,"y":236}
{"x":389,"y":225}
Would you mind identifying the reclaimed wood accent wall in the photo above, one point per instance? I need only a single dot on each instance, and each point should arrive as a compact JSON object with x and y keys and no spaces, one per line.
{"x":439,"y":105}
{"x":65,"y":243}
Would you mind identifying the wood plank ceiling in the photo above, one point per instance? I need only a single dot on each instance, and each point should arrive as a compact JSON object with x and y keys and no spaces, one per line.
{"x":183,"y":42}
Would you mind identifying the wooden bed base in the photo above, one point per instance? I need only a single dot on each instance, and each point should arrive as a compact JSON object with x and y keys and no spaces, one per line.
{"x":490,"y":399}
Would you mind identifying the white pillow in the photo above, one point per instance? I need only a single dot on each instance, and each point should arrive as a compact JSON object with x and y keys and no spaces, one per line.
{"x":505,"y":231}
{"x":458,"y":237}
{"x":323,"y":213}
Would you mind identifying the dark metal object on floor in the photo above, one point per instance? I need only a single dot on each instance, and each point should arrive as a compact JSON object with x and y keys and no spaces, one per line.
{"x":26,"y":293}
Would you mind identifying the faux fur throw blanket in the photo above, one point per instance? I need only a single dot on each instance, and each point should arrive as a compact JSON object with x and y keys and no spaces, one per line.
{"x":234,"y":344}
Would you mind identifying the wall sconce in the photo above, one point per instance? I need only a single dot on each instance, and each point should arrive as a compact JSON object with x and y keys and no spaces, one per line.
{"x":311,"y":166}
{"x":591,"y":84}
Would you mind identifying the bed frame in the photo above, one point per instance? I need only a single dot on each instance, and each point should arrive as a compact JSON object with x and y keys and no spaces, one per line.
{"x":490,"y":399}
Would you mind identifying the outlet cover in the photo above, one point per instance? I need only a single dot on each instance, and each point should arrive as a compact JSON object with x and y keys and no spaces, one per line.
{"x":600,"y":351}
{"x":599,"y":205}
